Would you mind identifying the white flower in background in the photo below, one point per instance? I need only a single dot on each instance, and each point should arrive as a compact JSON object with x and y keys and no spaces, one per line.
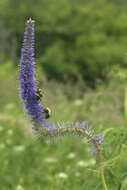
{"x":50,"y":160}
{"x":62,"y":175}
{"x":77,"y":174}
{"x":19,"y":148}
{"x":83,"y":163}
{"x":19,"y":187}
{"x":71,"y":155}
{"x":78,"y":102}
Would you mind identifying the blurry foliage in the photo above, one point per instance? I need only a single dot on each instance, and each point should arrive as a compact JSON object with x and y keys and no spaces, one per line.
{"x":74,"y":39}
{"x":31,"y":164}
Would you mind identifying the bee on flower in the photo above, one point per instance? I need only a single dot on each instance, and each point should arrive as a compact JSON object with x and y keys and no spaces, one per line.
{"x":47,"y":112}
{"x":39,"y":94}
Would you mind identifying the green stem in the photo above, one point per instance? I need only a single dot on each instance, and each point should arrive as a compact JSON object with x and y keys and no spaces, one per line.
{"x":99,"y":150}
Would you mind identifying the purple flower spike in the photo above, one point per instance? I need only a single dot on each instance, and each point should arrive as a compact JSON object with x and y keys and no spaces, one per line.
{"x":27,"y":80}
{"x":28,"y":92}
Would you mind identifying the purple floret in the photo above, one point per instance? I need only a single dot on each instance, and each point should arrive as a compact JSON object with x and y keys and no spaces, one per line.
{"x":98,"y":139}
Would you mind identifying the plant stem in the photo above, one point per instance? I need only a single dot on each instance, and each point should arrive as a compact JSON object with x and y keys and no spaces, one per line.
{"x":99,"y":150}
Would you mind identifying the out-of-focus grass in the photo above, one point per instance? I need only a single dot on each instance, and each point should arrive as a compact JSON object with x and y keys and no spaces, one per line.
{"x":28,"y":164}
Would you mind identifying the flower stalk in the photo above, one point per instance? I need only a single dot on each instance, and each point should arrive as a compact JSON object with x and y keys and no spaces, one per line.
{"x":34,"y":108}
{"x":99,"y":151}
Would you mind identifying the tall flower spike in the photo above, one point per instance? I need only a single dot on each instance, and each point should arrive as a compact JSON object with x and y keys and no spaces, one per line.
{"x":33,"y":107}
{"x":27,"y":81}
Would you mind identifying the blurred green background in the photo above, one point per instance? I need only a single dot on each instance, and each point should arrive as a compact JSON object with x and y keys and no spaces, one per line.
{"x":80,"y":53}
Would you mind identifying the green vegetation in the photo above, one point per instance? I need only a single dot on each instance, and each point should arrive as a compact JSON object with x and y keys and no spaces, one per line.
{"x":28,"y":164}
{"x":75,"y":40}
{"x":81,"y":50}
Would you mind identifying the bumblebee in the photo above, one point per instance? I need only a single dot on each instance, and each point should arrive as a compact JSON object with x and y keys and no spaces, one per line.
{"x":47,"y":112}
{"x":39,"y":94}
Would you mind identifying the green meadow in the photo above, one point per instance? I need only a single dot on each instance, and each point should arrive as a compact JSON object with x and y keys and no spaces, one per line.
{"x":81,"y":67}
{"x":62,"y":164}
